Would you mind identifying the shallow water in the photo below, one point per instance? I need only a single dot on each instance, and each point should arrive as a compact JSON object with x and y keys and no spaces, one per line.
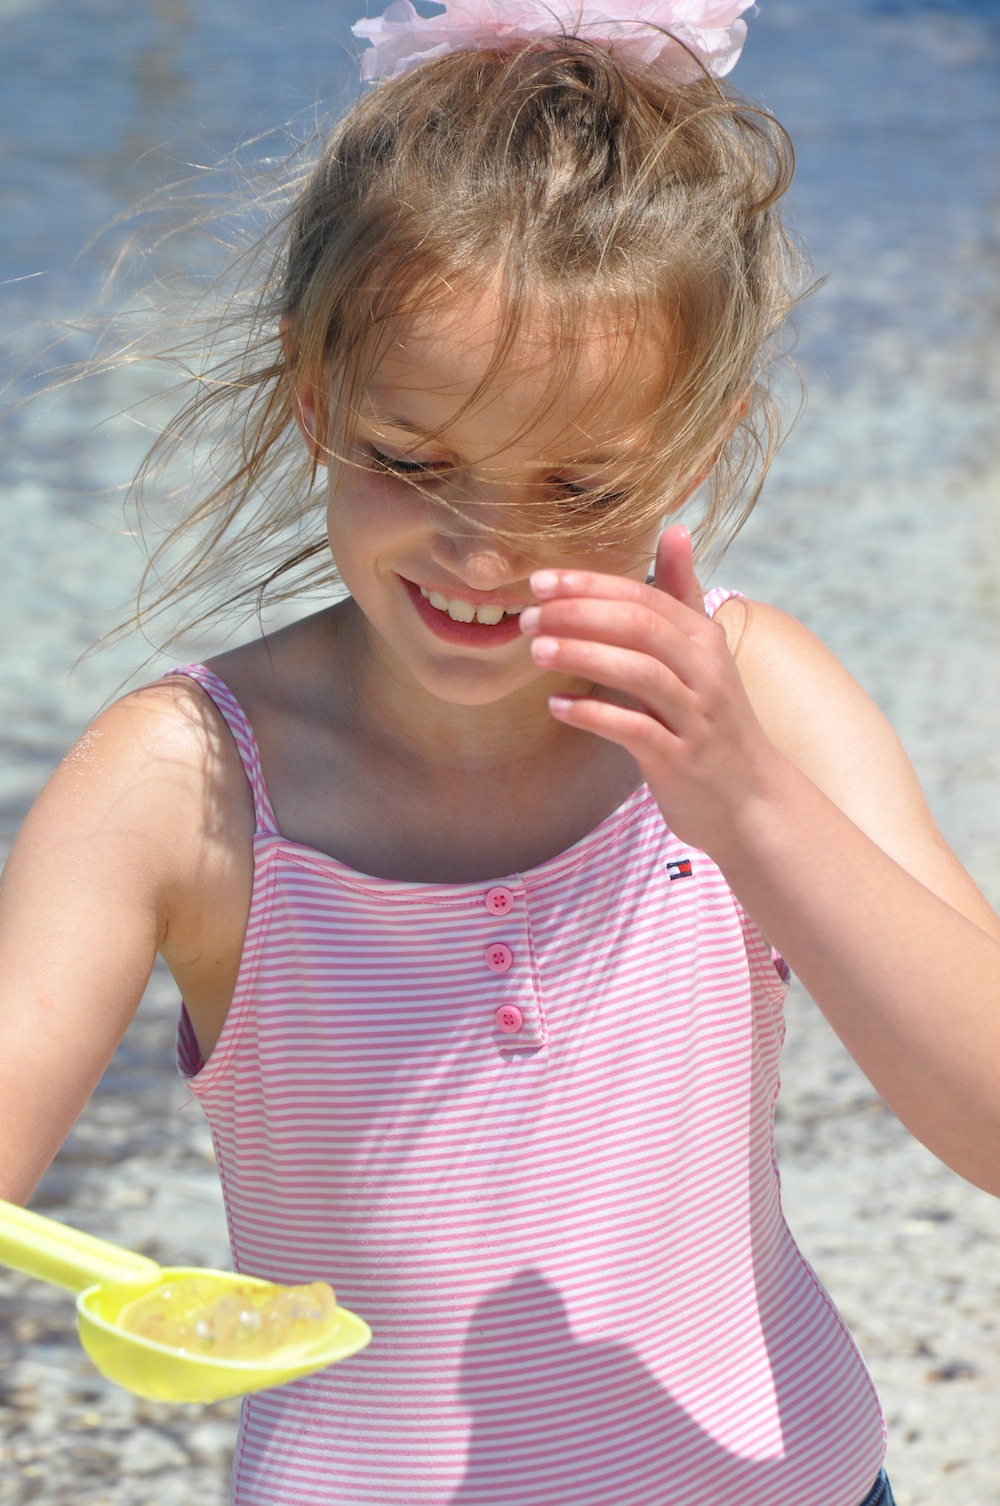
{"x":880,"y":526}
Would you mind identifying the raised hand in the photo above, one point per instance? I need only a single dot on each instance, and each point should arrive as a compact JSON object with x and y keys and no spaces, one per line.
{"x":679,"y":705}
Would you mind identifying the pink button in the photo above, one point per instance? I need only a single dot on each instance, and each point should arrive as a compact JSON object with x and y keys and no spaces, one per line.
{"x":499,"y":901}
{"x":509,"y":1018}
{"x":499,"y":957}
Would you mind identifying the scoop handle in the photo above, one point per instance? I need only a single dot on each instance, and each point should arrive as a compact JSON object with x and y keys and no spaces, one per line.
{"x":64,"y":1256}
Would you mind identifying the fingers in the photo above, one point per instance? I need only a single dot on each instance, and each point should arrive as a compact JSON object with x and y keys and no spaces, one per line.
{"x":637,"y":674}
{"x":644,"y":737}
{"x":582,"y":626}
{"x":667,"y":622}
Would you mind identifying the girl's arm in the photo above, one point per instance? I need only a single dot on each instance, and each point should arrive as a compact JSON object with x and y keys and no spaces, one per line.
{"x":762,"y":751}
{"x":113,"y":862}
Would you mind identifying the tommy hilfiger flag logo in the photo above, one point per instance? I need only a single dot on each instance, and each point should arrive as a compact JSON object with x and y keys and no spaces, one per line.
{"x":680,"y":869}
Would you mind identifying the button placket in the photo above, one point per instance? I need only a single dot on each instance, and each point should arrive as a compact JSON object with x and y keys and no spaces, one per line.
{"x":514,"y":1022}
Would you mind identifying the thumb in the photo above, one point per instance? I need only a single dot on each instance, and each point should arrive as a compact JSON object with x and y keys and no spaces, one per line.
{"x":674,"y":571}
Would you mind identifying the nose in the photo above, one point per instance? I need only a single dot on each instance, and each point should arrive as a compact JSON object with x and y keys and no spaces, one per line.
{"x":476,"y":554}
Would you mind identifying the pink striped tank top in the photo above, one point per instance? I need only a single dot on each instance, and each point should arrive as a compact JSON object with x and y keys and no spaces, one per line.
{"x":524,"y":1127}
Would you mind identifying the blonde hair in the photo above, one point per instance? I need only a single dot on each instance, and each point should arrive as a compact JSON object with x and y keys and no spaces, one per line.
{"x":571,"y":178}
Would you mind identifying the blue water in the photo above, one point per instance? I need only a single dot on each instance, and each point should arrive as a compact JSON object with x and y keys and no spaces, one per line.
{"x":895,"y":111}
{"x":894,"y":107}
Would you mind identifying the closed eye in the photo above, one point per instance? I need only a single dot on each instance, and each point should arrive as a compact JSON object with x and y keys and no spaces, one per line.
{"x":396,"y":465}
{"x":590,"y":496}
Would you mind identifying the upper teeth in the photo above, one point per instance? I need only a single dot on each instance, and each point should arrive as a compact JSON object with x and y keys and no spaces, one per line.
{"x":489,"y":613}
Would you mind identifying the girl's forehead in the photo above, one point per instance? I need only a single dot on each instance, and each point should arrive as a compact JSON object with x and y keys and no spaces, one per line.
{"x":463,"y":369}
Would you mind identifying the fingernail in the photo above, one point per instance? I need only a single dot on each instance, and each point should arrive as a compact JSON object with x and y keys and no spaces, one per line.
{"x":559,"y":704}
{"x":544,"y":582}
{"x":529,"y":620}
{"x":544,"y":650}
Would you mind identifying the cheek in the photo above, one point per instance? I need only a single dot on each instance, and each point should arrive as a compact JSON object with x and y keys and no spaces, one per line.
{"x":371,"y":504}
{"x":358,"y":512}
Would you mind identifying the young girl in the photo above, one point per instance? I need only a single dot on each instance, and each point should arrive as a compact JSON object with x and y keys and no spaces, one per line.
{"x":481,"y":884}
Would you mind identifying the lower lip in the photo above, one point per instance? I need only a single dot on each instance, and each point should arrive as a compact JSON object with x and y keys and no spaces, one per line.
{"x":467,"y":634}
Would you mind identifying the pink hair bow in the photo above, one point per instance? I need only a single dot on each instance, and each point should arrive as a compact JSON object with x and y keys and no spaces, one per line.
{"x":710,"y":29}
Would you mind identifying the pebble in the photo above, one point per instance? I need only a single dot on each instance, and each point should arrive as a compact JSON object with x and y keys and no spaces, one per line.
{"x":146,"y":1452}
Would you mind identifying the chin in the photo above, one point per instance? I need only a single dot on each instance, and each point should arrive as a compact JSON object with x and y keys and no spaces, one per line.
{"x":474,"y":685}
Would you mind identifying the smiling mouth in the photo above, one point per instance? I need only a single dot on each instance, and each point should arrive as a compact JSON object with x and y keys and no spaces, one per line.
{"x":489,"y":613}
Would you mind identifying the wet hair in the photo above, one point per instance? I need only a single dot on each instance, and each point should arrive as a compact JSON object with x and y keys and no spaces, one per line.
{"x":576,"y":186}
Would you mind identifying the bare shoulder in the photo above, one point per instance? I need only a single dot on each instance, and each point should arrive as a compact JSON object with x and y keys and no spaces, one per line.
{"x":816,"y":713}
{"x":809,"y":705}
{"x":160,"y":753}
{"x":151,"y":802}
{"x":172,"y":718}
{"x":799,"y":689}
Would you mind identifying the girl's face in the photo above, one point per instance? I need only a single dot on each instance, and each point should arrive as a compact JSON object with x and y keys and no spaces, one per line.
{"x":439,"y":587}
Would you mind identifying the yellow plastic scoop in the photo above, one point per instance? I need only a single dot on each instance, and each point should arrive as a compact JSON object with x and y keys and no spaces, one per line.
{"x":120,"y":1291}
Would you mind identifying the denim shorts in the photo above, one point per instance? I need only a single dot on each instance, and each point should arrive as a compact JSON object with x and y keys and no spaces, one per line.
{"x":882,"y":1494}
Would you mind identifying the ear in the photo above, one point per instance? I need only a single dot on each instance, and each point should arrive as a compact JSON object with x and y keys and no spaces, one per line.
{"x":304,"y":398}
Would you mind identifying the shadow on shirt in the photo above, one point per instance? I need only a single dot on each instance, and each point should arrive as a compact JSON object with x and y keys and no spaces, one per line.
{"x":584,"y":1423}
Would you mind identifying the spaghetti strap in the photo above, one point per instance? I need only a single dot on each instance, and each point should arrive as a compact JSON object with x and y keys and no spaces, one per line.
{"x":235,"y":718}
{"x":716,"y":596}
